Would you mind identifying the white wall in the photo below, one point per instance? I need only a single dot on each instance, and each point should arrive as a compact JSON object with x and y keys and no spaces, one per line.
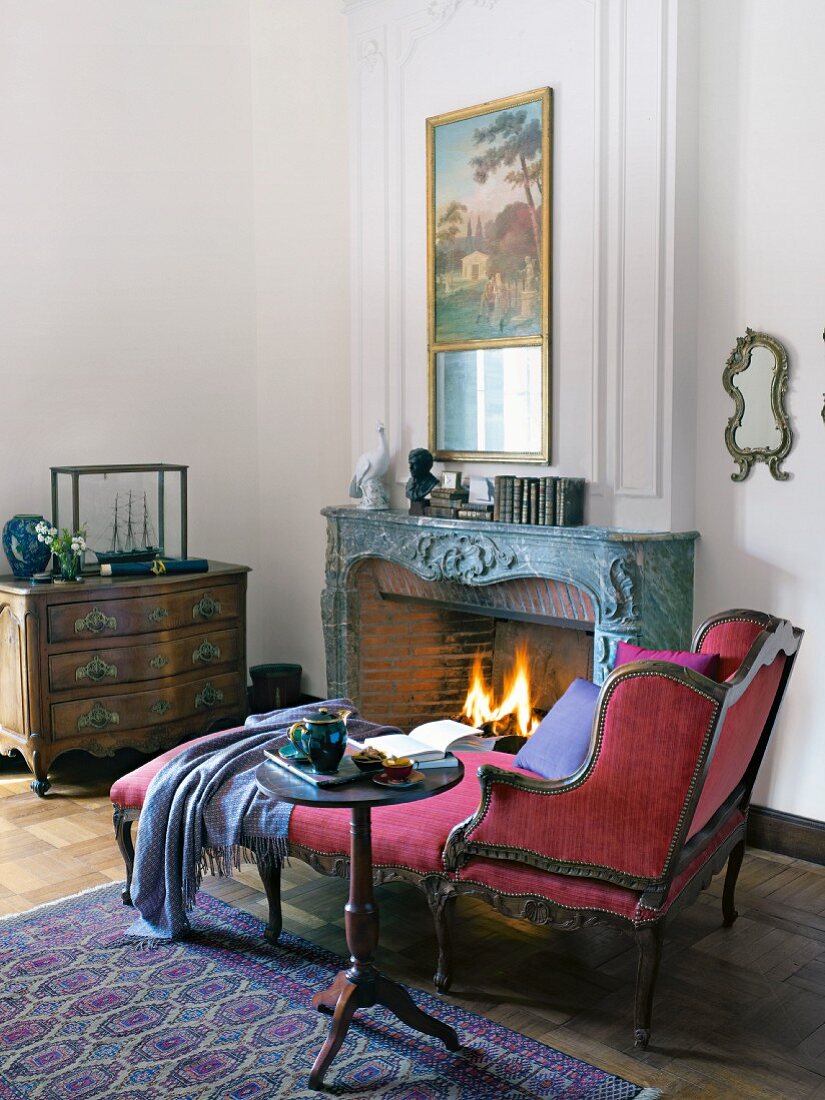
{"x":302,"y":257}
{"x":762,"y":249}
{"x":139,"y":321}
{"x":126,"y":263}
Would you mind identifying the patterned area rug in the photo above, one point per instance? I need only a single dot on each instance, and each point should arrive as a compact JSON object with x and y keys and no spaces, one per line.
{"x":86,"y":1014}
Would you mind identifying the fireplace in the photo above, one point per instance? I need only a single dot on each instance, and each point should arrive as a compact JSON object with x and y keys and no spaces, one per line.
{"x":410,"y":602}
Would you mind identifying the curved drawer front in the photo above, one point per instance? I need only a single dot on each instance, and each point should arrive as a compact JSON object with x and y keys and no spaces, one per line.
{"x":168,"y":610}
{"x":100,"y":668}
{"x":109,"y":714}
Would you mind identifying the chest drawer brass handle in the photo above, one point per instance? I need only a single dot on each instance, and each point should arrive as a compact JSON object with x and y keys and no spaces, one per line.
{"x":96,"y":670}
{"x":157,"y":614}
{"x":206,"y":652}
{"x":159,"y":662}
{"x":160,"y":707}
{"x":206,"y":607}
{"x":95,"y":622}
{"x":209,"y":696}
{"x":99,"y":718}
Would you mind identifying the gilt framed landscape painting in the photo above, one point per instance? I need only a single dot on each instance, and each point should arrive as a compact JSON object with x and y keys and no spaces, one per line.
{"x":488,"y":253}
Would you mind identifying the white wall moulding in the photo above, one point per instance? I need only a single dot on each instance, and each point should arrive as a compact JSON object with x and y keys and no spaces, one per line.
{"x":643,"y":66}
{"x":371,"y":54}
{"x":371,"y":277}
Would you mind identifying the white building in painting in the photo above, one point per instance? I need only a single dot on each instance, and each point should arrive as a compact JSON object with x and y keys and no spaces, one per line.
{"x":474,"y":266}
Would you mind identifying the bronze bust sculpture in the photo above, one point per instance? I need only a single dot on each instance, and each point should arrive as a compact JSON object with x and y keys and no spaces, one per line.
{"x":421,"y":481}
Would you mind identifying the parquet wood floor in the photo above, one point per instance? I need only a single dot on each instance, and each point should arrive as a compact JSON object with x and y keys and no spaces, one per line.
{"x":738,"y":1012}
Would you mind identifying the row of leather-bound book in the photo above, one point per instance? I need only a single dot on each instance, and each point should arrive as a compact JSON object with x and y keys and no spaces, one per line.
{"x":542,"y":501}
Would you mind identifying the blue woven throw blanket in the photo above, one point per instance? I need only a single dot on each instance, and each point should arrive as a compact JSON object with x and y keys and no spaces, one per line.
{"x":204,"y":812}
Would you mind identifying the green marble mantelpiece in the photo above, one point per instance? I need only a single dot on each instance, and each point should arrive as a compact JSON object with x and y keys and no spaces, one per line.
{"x":639,"y":583}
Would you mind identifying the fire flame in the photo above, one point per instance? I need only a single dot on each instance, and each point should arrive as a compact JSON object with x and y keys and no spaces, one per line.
{"x":480,"y":707}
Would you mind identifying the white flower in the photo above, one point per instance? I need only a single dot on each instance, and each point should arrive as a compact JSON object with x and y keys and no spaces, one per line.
{"x":40,"y":537}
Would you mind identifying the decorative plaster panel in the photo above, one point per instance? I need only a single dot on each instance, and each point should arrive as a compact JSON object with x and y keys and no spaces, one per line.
{"x":609,"y":62}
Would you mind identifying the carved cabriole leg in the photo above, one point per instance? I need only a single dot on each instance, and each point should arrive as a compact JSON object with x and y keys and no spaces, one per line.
{"x":441,"y":898}
{"x":40,"y":784}
{"x":123,"y":835}
{"x":649,"y":941}
{"x":270,"y":871}
{"x":729,"y":913}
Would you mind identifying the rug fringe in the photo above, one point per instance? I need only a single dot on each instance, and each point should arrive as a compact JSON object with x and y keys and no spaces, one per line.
{"x":649,"y":1094}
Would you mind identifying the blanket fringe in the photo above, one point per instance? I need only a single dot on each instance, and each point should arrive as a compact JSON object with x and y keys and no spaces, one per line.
{"x":222,"y":860}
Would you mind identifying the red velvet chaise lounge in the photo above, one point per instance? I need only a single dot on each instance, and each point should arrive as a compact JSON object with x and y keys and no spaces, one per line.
{"x":657,"y":808}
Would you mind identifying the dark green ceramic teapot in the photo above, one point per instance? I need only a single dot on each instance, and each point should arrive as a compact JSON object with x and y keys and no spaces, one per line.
{"x":322,"y":737}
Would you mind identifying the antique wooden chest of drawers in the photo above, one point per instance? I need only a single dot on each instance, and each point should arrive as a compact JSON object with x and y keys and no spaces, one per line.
{"x":111,"y":662}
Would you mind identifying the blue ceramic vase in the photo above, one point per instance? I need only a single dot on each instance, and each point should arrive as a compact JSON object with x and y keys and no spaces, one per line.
{"x":26,"y":555}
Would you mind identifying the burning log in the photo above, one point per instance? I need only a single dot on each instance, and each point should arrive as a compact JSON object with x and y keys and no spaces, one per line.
{"x":506,"y":726}
{"x":514,"y":715}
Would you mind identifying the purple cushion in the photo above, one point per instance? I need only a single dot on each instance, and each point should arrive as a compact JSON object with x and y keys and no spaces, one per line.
{"x":705,"y":663}
{"x":559,"y":744}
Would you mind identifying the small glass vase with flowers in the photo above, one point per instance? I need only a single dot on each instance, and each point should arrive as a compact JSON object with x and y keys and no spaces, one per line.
{"x":66,"y":547}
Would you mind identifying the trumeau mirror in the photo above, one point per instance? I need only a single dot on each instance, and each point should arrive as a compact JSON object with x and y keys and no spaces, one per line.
{"x":488,"y":252}
{"x":756,"y":377}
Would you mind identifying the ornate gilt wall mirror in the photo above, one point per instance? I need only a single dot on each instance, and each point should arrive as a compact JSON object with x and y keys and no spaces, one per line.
{"x":488,"y":253}
{"x":756,"y":377}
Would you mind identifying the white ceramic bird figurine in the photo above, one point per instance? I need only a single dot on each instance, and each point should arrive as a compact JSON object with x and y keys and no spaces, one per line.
{"x":370,"y":468}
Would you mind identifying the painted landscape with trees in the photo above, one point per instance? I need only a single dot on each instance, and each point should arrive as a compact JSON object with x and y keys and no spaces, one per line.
{"x":487,"y":217}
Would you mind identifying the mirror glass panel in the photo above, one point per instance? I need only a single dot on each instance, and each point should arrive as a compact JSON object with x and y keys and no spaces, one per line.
{"x":759,"y":427}
{"x":489,"y":400}
{"x":756,"y":377}
{"x":488,"y":274}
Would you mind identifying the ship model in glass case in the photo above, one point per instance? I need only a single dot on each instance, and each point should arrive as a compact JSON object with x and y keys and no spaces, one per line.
{"x":130,"y":513}
{"x":133,"y":536}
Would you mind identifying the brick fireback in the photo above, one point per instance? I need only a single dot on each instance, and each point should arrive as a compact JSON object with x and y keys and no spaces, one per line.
{"x":418,"y":639}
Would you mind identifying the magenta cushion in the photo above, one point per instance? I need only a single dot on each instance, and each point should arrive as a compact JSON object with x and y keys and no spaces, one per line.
{"x":558,"y":746}
{"x":704,"y":663}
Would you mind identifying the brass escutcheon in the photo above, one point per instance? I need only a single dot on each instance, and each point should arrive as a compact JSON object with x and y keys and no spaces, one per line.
{"x":160,"y":707}
{"x":206,"y":607}
{"x":157,"y":614}
{"x":98,"y":717}
{"x":206,"y":652}
{"x":209,"y":696}
{"x":95,"y":622}
{"x":96,"y":670}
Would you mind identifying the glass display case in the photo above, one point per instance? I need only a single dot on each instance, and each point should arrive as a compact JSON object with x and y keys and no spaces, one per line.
{"x":129,"y":512}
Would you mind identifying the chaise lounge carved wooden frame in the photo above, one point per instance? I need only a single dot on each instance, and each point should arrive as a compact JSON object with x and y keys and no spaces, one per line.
{"x":672,"y":761}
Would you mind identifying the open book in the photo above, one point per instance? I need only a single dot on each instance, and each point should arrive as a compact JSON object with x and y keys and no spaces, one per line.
{"x":430,"y":741}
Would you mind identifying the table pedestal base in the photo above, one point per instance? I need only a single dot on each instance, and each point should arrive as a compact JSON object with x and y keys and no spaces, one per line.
{"x":363,"y":987}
